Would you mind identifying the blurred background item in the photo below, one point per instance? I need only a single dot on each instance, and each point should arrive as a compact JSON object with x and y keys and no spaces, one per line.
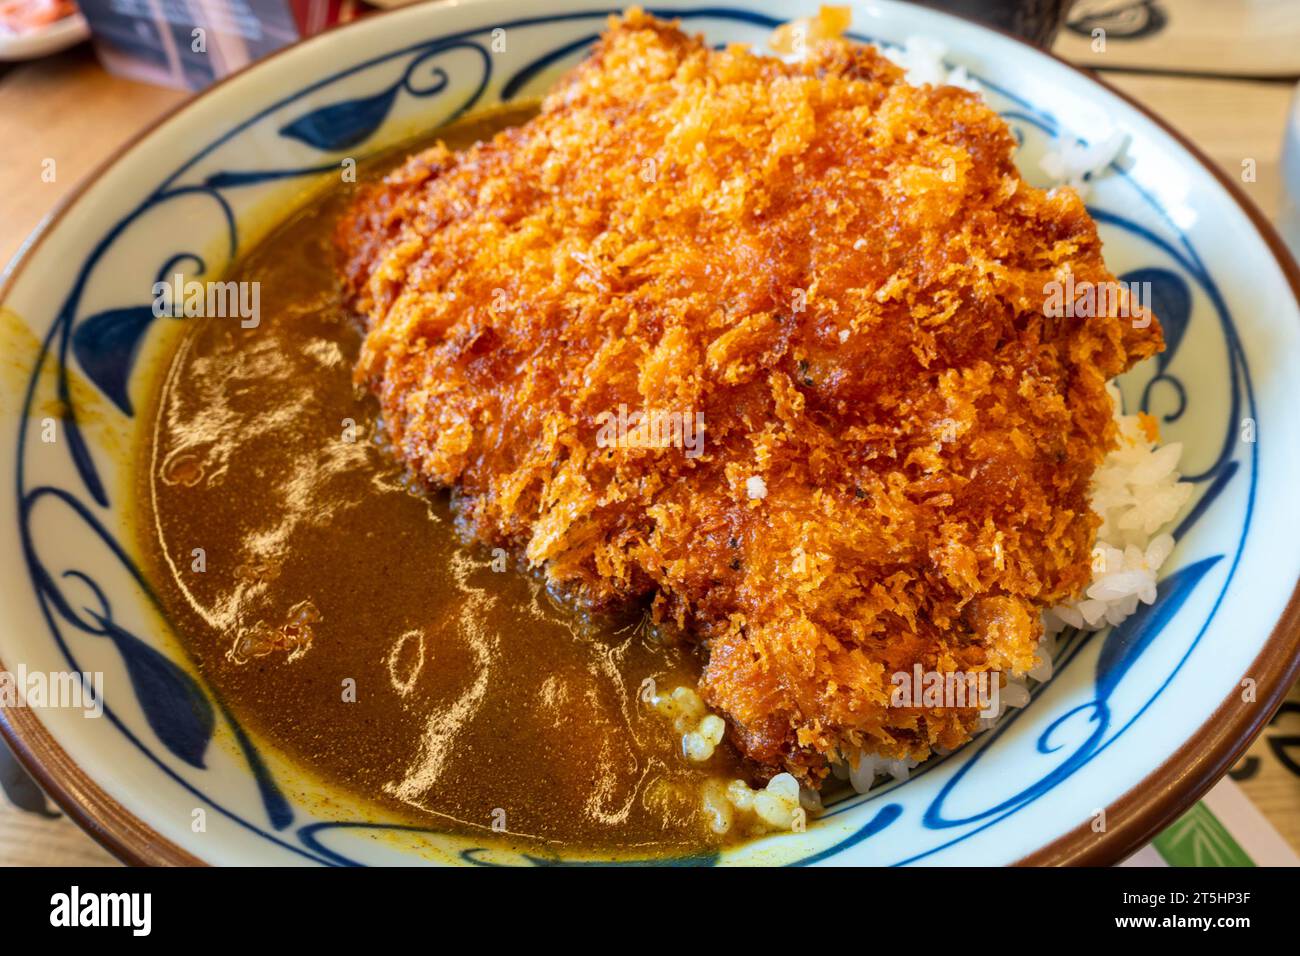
{"x":189,"y":44}
{"x":1241,"y":38}
{"x":36,"y":28}
{"x":1289,"y":218}
{"x":1034,"y":20}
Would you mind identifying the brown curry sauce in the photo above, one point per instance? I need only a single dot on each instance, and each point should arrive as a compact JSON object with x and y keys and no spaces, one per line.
{"x":478,"y":698}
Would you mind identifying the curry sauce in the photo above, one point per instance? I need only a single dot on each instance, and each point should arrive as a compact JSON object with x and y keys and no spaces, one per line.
{"x":331,"y":603}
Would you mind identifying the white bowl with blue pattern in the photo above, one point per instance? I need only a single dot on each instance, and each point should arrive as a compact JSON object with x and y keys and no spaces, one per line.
{"x":1137,"y":721}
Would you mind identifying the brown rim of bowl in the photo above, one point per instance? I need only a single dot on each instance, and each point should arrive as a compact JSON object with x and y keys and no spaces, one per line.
{"x":112,"y":826}
{"x":1132,"y":820}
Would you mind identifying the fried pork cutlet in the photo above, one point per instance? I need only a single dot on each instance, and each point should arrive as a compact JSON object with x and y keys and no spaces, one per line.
{"x":845,"y":275}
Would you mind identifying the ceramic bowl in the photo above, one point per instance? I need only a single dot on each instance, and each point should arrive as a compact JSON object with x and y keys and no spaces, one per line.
{"x":1136,"y":723}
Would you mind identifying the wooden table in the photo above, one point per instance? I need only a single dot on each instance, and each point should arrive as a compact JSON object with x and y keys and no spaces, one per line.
{"x":68,"y":109}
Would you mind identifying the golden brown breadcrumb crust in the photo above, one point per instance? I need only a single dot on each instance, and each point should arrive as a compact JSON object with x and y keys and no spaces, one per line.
{"x":845,"y":274}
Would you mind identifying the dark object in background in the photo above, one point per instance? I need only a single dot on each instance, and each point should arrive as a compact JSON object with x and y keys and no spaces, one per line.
{"x":1036,"y":21}
{"x":20,"y":788}
{"x":192,"y":43}
{"x":1126,"y":19}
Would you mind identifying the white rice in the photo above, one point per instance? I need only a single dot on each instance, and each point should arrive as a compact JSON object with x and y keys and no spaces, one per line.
{"x":1137,"y":493}
{"x":1078,"y":164}
{"x":921,"y":59}
{"x":781,"y":805}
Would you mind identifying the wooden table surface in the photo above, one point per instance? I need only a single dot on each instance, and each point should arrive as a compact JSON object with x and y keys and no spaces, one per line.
{"x":66,"y":108}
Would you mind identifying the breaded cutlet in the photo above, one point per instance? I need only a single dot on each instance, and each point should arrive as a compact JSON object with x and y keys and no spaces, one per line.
{"x":845,"y":275}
